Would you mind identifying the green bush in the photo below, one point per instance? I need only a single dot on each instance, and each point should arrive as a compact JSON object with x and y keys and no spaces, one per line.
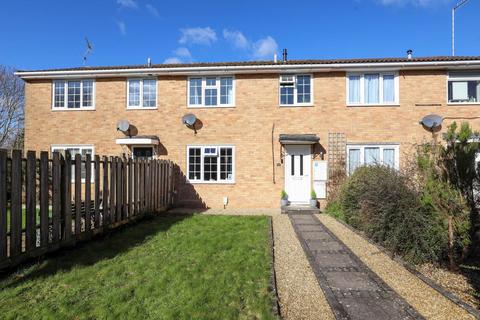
{"x":385,"y":205}
{"x":334,"y":209}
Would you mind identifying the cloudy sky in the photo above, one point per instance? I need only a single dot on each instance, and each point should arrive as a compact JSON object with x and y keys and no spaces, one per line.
{"x":48,"y":34}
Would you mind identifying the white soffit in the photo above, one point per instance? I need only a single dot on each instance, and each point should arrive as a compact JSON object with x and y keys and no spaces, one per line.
{"x":140,"y":141}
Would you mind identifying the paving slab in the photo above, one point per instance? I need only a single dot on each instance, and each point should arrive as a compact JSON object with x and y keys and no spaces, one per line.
{"x":351,"y":288}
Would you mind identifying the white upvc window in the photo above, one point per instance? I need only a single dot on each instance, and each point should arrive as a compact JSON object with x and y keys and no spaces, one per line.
{"x":211,"y":164}
{"x":83,"y":150}
{"x":141,"y":93}
{"x":371,"y":154}
{"x":372,"y":88}
{"x":73,"y":94}
{"x":295,"y":90}
{"x":211,"y":92}
{"x":463,"y":88}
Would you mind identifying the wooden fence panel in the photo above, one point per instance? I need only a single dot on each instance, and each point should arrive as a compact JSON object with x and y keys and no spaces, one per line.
{"x":30,"y":209}
{"x":3,"y":205}
{"x":88,"y":195}
{"x":116,"y":191}
{"x":44,"y":210}
{"x":56,"y":197}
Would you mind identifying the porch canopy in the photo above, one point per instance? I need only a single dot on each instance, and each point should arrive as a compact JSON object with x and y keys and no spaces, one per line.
{"x":139,"y":140}
{"x":298,"y":139}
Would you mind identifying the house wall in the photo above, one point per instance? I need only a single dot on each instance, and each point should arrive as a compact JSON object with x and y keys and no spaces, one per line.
{"x":248,"y":126}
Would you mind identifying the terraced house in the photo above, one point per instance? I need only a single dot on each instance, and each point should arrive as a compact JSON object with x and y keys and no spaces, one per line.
{"x":252,"y":128}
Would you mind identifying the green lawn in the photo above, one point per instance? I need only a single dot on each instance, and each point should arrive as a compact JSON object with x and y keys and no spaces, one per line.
{"x":208,"y":267}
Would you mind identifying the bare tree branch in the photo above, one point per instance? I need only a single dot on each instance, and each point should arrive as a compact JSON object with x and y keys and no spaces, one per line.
{"x":12,"y":100}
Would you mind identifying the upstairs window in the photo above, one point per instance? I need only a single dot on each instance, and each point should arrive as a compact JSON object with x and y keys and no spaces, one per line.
{"x":210,"y":164}
{"x":372,"y":88}
{"x":295,"y":90}
{"x":211,"y":92}
{"x":359,"y":155}
{"x":142,"y":94}
{"x":464,"y":88}
{"x":75,"y":94}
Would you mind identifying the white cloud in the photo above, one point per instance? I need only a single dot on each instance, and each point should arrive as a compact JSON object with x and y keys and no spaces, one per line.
{"x":127,"y":4}
{"x":265,"y":48}
{"x":237,"y":39}
{"x":417,"y":3}
{"x":204,"y":36}
{"x":122,"y":27}
{"x":182,"y":52}
{"x":152,"y":10}
{"x":172,"y":60}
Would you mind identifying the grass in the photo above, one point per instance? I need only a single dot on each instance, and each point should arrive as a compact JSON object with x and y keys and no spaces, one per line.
{"x":24,"y":217}
{"x":208,"y":267}
{"x":333,"y":209}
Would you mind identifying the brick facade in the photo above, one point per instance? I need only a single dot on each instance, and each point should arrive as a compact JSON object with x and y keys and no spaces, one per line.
{"x":248,"y":125}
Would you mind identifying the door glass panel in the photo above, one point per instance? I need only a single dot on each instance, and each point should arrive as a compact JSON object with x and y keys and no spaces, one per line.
{"x":292,"y":164}
{"x":301,"y":164}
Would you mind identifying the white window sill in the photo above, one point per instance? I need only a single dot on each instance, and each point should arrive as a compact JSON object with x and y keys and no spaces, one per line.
{"x":296,"y":105}
{"x":211,"y":182}
{"x":210,"y":107}
{"x":374,"y":105}
{"x":74,"y":109}
{"x":142,"y":108}
{"x":463,"y":103}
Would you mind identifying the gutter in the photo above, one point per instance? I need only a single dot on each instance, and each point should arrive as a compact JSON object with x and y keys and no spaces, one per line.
{"x":278,"y":68}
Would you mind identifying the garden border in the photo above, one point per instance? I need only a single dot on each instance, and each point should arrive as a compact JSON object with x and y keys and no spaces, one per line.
{"x":447,"y":294}
{"x":273,"y":276}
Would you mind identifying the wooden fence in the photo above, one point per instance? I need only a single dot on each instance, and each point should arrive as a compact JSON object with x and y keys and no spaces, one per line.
{"x":47,"y":203}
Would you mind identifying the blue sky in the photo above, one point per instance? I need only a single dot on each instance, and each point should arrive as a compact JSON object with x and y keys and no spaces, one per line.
{"x":47,"y":34}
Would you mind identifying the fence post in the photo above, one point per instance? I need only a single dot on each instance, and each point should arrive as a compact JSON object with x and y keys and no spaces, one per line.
{"x":44,"y":211}
{"x":113,"y":170}
{"x":105,"y":197}
{"x":67,"y":198}
{"x":88,"y":194}
{"x":118,"y":189}
{"x":129,"y":188}
{"x":136,"y":175}
{"x":97,"y":191}
{"x":78,"y":195}
{"x":31,"y":210}
{"x":16,"y":205}
{"x":56,"y":200}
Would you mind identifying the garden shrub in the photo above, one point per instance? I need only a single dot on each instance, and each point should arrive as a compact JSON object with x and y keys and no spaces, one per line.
{"x":334,"y":209}
{"x":383,"y":203}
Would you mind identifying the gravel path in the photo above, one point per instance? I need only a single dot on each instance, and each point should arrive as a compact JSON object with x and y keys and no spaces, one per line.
{"x":426,"y":300}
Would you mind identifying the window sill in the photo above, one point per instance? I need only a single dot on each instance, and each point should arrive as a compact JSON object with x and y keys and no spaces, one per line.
{"x":309,"y":105}
{"x":142,"y":108}
{"x":73,"y":109}
{"x":463,"y":103}
{"x":212,"y":182}
{"x":211,"y":107}
{"x":373,"y":105}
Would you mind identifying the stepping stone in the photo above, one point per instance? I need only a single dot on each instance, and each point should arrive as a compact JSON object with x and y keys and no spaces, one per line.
{"x":320,"y":245}
{"x":350,"y":281}
{"x":332,"y":260}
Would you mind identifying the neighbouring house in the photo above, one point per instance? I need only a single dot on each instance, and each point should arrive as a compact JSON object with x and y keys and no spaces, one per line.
{"x":252,"y":128}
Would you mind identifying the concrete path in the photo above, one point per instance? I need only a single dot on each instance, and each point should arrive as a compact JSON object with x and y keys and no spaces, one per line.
{"x":351,"y":288}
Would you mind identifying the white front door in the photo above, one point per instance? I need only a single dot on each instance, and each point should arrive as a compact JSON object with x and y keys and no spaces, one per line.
{"x":297,"y":173}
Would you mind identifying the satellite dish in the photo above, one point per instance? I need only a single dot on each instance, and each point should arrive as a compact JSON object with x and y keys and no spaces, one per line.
{"x":189,"y":119}
{"x":432,"y":121}
{"x":123,"y":125}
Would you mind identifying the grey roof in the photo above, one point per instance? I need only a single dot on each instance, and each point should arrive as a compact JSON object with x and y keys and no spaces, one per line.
{"x":143,"y":137}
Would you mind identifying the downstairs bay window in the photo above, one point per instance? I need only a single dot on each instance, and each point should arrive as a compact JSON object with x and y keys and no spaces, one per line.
{"x":365,"y":154}
{"x":211,"y":164}
{"x":82,"y":150}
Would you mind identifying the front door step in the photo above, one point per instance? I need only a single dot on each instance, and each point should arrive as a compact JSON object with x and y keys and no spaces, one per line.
{"x":299,"y":210}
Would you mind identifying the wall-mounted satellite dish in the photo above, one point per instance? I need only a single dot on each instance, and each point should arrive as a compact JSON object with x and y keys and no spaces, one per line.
{"x":432,"y":122}
{"x":189,"y":119}
{"x":123,"y":125}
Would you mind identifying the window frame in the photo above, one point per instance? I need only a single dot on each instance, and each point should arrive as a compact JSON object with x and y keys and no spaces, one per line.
{"x":143,"y":146}
{"x":469,"y":76}
{"x":55,"y":147}
{"x":217,"y":86}
{"x":381,"y":146}
{"x":295,"y":90}
{"x":361,"y":74}
{"x":65,"y":95}
{"x":202,"y":147}
{"x":140,"y":107}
